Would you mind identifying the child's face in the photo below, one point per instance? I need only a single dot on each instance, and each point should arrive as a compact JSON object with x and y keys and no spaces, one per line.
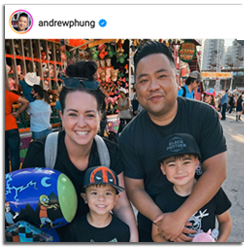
{"x":180,"y":171}
{"x":22,"y":23}
{"x":101,"y":199}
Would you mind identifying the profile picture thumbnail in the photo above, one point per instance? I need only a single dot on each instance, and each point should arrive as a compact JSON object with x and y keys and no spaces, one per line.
{"x":21,"y":21}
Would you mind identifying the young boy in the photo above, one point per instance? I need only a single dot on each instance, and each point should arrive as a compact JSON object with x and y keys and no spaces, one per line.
{"x":22,"y":22}
{"x":100,"y":191}
{"x":178,"y":156}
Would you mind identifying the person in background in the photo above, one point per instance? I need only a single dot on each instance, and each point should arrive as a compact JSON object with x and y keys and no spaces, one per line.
{"x":192,"y":82}
{"x":224,"y":103}
{"x":209,"y":98}
{"x":239,"y":107}
{"x":12,"y":137}
{"x":231,"y":103}
{"x":39,"y":112}
{"x":124,"y":112}
{"x":27,"y":82}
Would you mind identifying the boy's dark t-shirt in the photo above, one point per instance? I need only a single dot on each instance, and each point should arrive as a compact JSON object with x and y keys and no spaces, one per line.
{"x":204,"y":218}
{"x":140,"y":138}
{"x":81,"y":231}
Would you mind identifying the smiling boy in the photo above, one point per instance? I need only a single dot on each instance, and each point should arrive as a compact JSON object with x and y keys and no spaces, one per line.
{"x":101,"y":192}
{"x":178,"y":156}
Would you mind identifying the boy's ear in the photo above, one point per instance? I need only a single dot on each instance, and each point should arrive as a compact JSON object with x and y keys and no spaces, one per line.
{"x":117,"y":197}
{"x":83,"y":195}
{"x":197,"y":162}
{"x":162,"y":169}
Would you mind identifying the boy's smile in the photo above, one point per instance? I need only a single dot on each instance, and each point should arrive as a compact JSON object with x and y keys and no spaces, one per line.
{"x":180,"y":172}
{"x":101,"y":199}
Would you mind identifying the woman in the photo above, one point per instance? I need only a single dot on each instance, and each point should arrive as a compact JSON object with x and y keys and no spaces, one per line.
{"x":82,"y":103}
{"x":124,"y":112}
{"x":239,"y":107}
{"x":39,"y":112}
{"x":209,"y":98}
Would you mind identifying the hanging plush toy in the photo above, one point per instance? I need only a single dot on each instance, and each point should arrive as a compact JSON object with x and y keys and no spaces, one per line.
{"x":102,"y":51}
{"x":120,"y":42}
{"x":45,"y":69}
{"x":94,"y":53}
{"x":120,"y":57}
{"x":110,"y":50}
{"x":114,"y":75}
{"x":51,"y":70}
{"x":102,"y":74}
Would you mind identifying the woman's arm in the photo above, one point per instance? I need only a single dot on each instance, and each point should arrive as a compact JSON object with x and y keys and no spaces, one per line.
{"x":225,"y":225}
{"x":124,"y":212}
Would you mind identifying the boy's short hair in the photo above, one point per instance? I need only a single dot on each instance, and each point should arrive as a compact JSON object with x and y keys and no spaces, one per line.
{"x":101,"y":175}
{"x":177,"y":157}
{"x":177,"y":144}
{"x":153,"y":47}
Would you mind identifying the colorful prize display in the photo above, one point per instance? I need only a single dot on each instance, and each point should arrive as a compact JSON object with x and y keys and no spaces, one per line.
{"x":43,"y":197}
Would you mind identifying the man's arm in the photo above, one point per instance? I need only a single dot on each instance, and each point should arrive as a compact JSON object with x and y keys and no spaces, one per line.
{"x":204,"y":190}
{"x":140,"y":199}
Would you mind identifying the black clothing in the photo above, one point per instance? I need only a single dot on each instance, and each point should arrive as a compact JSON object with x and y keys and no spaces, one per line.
{"x":81,"y":231}
{"x":204,"y":218}
{"x":140,"y":138}
{"x":35,"y":158}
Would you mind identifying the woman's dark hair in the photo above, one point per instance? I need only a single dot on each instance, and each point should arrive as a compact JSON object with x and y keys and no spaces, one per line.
{"x":41,"y":92}
{"x":83,"y":69}
{"x":153,"y":47}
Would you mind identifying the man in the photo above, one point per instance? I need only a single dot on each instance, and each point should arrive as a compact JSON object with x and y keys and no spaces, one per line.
{"x":192,"y":83}
{"x":22,"y":22}
{"x":224,"y":102}
{"x":163,"y":115}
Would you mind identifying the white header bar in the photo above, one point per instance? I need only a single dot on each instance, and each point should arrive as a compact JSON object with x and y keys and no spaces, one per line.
{"x":127,"y":21}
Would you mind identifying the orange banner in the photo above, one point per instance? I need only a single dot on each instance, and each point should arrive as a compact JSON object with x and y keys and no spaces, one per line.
{"x":217,"y":74}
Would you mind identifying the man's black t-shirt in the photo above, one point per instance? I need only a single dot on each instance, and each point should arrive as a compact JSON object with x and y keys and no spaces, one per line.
{"x":81,"y":231}
{"x":140,"y":138}
{"x":35,"y":158}
{"x":204,"y":218}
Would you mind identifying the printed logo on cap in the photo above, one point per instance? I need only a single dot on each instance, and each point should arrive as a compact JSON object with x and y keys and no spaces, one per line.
{"x":176,"y":144}
{"x":102,"y":174}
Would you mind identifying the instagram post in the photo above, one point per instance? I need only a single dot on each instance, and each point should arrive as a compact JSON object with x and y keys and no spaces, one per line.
{"x":124,"y":129}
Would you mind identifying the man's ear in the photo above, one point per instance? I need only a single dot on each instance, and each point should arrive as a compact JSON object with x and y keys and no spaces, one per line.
{"x":83,"y":195}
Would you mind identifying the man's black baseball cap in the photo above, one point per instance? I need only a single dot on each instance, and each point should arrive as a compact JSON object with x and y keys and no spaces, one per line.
{"x":101,"y":175}
{"x":177,"y":144}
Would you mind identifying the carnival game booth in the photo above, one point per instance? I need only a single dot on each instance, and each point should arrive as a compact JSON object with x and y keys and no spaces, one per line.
{"x":48,"y":58}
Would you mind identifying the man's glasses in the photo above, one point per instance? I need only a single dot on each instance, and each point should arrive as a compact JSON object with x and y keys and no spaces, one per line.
{"x":73,"y":82}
